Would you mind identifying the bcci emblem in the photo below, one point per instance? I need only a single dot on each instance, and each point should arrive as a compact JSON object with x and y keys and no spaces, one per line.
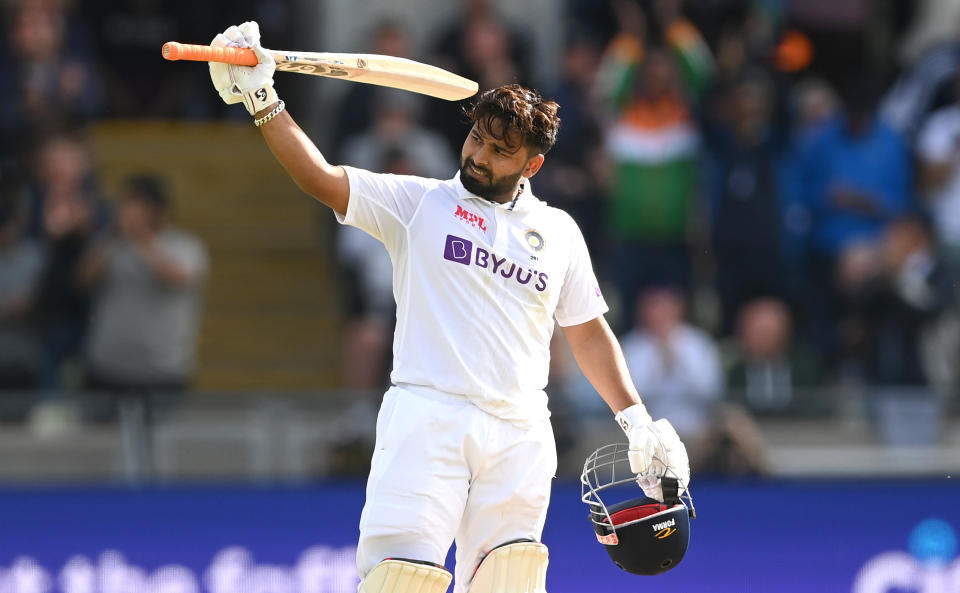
{"x":534,"y":239}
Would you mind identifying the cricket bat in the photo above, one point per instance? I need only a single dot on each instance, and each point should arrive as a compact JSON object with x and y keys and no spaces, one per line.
{"x":398,"y":73}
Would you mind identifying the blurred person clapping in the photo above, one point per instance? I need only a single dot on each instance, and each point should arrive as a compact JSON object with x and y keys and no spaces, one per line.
{"x":769,"y":370}
{"x":65,"y":213}
{"x":147,"y":278}
{"x":675,"y":365}
{"x":894,"y":291}
{"x":21,"y":262}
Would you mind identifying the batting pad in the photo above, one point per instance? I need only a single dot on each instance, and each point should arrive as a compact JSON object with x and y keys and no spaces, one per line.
{"x":403,"y":576}
{"x":513,"y":568}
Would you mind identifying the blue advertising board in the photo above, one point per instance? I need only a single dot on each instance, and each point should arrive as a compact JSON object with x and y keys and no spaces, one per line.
{"x":765,"y":537}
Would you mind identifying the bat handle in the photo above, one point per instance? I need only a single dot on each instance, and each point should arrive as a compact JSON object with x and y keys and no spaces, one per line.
{"x":208,"y":53}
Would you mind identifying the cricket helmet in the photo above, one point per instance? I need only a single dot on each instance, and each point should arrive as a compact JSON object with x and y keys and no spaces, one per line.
{"x":641,"y":535}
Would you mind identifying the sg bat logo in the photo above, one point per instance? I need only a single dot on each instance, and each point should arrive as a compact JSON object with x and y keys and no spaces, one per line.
{"x":320,"y":69}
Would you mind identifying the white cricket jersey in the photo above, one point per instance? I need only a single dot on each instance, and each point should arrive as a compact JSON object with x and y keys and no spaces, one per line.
{"x":477,"y":286}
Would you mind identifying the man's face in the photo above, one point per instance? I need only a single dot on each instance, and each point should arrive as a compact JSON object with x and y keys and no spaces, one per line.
{"x":491,"y":165}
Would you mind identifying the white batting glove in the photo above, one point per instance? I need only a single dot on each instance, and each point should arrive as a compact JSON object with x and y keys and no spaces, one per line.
{"x":250,"y":85}
{"x":655,"y":450}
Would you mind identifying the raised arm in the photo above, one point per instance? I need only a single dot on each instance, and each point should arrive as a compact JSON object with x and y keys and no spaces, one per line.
{"x":304,"y":162}
{"x":253,"y":86}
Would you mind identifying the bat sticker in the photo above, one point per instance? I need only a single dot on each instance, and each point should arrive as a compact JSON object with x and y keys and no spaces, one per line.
{"x":313,"y":69}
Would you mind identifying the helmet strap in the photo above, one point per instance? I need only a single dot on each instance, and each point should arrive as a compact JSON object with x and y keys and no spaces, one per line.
{"x":671,"y":490}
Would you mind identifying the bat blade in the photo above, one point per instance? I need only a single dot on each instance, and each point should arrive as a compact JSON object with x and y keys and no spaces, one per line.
{"x":399,"y":73}
{"x":381,"y":70}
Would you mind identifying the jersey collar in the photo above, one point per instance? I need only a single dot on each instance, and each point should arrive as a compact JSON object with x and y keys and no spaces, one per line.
{"x":523,"y":202}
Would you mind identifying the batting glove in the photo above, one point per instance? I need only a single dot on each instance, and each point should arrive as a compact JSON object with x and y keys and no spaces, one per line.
{"x":655,"y":450}
{"x":250,"y":85}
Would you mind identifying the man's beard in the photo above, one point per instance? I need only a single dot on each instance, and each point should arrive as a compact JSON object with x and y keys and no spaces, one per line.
{"x":491,"y":190}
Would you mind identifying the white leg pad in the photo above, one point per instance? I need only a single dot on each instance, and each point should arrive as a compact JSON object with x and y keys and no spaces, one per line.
{"x":513,"y":568}
{"x":400,"y":576}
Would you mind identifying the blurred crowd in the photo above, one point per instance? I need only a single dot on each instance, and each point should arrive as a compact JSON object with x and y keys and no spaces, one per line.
{"x":97,"y":293}
{"x":770,"y":190}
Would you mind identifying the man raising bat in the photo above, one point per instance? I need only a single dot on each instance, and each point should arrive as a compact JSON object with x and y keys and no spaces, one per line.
{"x":482,"y":268}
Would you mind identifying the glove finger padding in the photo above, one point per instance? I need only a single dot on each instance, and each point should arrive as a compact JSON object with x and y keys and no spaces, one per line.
{"x":235,"y":35}
{"x":250,"y":31}
{"x":220,"y":73}
{"x":675,"y":459}
{"x":250,"y":85}
{"x":656,"y":450}
{"x":644,"y":448}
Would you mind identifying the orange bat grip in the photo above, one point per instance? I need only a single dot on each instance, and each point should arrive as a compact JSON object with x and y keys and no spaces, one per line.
{"x":208,"y":53}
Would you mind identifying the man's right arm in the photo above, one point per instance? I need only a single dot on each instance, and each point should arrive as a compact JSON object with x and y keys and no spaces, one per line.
{"x":304,"y":163}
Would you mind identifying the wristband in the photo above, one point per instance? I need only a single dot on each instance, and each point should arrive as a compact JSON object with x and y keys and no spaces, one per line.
{"x":273,"y":113}
{"x":634,"y":416}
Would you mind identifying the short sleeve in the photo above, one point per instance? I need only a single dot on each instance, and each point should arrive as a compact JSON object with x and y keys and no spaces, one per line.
{"x":381,"y":203}
{"x":580,"y":296}
{"x":937,"y":140}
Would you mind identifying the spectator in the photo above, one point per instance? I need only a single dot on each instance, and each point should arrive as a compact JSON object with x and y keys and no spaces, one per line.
{"x":747,"y":206}
{"x":676,"y":366}
{"x":148,"y":279}
{"x":396,"y":127}
{"x":47,"y":64}
{"x":67,"y":213}
{"x":893,"y":305}
{"x":733,"y":446}
{"x":894,"y":292}
{"x":770,"y":372}
{"x":652,"y":141}
{"x":483,"y":47}
{"x":21,"y":261}
{"x":572,"y":176}
{"x":813,"y":105}
{"x":857,"y":180}
{"x":356,"y":109}
{"x":938,"y":148}
{"x":934,"y":23}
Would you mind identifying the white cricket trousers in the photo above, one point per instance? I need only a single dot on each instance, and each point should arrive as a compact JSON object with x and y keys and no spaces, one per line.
{"x":445,"y":470}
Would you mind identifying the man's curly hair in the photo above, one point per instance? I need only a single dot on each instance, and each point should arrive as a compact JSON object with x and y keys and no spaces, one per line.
{"x":516,"y":108}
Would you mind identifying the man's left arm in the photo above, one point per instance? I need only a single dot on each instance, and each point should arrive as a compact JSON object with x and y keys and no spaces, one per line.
{"x":600,"y":358}
{"x":654,"y":446}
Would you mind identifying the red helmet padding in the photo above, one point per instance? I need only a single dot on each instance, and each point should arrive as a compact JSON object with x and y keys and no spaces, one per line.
{"x":633,"y":510}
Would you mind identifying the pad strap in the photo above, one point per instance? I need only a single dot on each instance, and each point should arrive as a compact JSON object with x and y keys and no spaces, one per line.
{"x":519,"y":567}
{"x":409,"y":576}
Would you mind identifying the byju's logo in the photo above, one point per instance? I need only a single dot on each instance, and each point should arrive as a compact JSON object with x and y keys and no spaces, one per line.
{"x":458,"y":250}
{"x":463,"y":252}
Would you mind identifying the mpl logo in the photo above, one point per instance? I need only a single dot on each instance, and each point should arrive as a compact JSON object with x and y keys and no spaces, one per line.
{"x":470,"y":218}
{"x":462,"y":251}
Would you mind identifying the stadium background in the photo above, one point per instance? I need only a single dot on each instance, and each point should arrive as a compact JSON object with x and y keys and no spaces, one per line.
{"x":837,"y":476}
